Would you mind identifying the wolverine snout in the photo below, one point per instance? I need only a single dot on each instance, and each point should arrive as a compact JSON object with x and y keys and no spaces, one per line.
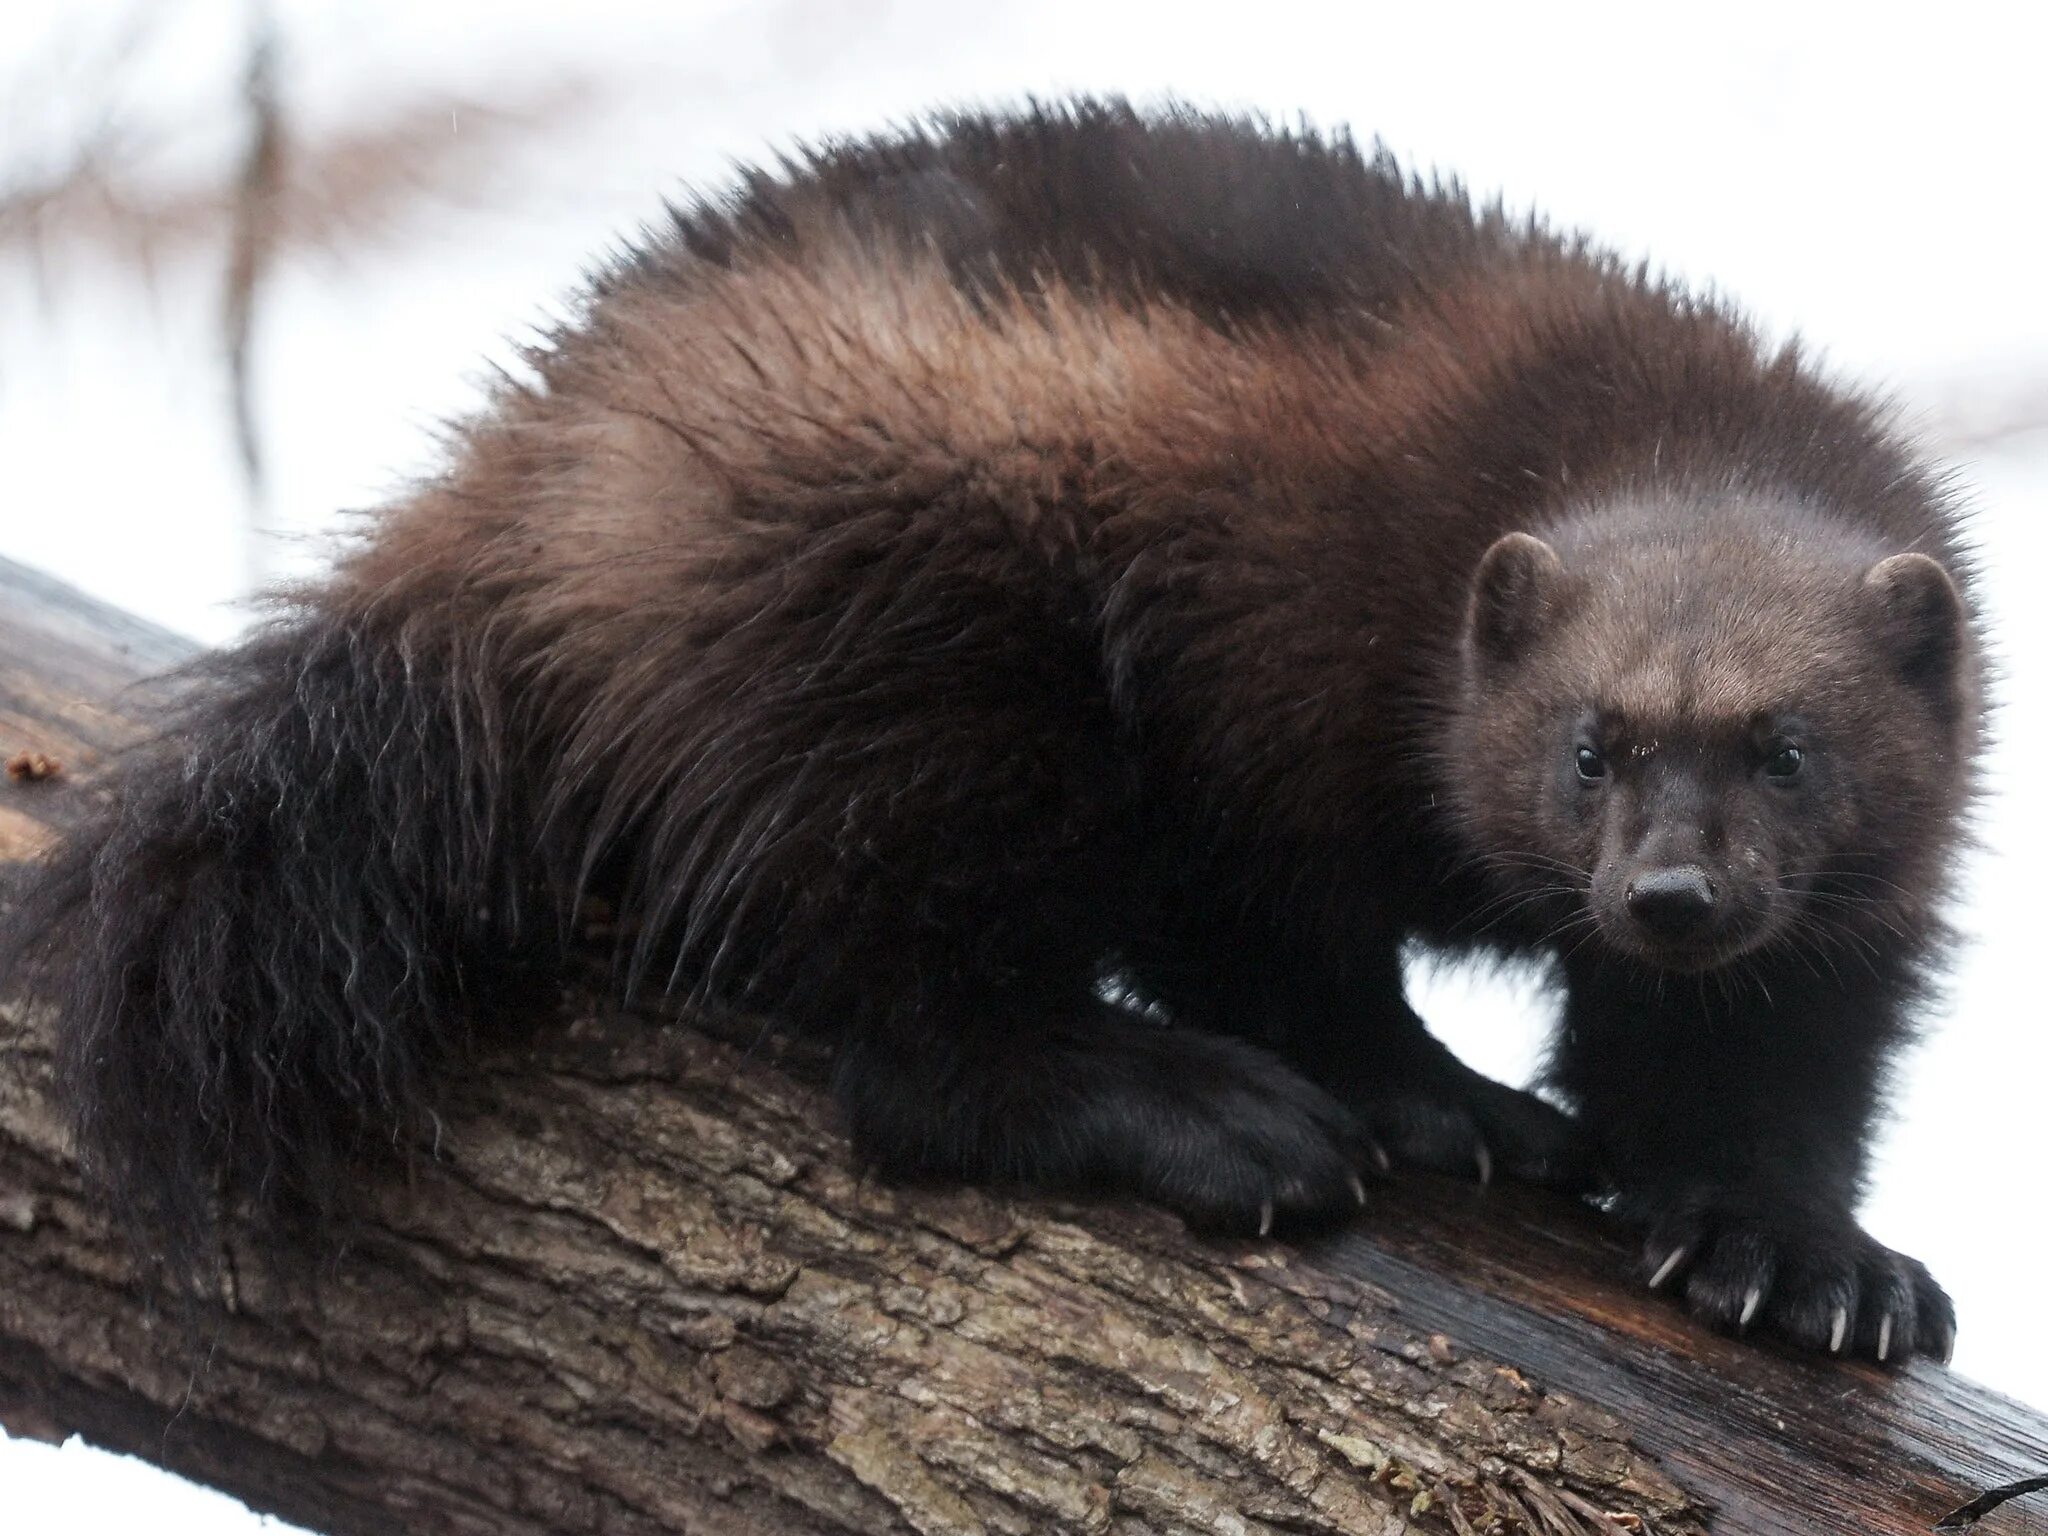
{"x":1672,"y":903}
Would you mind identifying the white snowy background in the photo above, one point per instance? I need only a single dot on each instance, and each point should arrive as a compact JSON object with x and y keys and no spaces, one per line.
{"x":1868,"y":175}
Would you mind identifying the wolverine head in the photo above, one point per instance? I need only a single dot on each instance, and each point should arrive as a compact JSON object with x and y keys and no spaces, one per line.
{"x":1694,"y":732}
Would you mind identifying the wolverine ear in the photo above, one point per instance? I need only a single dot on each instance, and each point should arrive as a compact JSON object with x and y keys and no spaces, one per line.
{"x":1512,"y":593}
{"x":1921,"y":615}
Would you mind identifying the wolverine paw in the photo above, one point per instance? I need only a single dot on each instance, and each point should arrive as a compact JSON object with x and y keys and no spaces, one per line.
{"x":1453,"y":1120}
{"x":1260,"y":1148}
{"x":1820,"y":1281}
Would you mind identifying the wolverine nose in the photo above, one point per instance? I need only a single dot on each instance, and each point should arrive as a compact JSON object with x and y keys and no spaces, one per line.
{"x":1671,"y":902}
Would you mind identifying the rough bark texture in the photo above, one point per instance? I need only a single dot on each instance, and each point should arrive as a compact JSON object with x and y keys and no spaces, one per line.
{"x":637,"y":1287}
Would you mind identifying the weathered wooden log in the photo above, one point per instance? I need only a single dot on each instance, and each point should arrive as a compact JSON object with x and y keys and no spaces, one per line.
{"x":636,"y":1286}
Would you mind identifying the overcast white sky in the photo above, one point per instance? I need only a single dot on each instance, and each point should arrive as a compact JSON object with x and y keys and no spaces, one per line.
{"x":1872,"y":182}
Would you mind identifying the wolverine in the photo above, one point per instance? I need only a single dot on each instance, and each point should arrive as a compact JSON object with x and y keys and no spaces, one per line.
{"x":1052,"y":603}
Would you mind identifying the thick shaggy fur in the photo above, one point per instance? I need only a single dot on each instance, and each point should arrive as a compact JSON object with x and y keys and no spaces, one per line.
{"x":979,"y":573}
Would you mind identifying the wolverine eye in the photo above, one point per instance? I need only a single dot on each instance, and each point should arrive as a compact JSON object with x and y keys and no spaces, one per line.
{"x":1592,"y":766}
{"x":1784,"y":763}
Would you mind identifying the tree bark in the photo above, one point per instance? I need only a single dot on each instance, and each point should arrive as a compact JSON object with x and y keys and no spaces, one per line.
{"x":637,"y":1286}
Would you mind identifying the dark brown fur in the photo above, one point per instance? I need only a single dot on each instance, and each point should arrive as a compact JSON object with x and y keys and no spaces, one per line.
{"x":975,"y":572}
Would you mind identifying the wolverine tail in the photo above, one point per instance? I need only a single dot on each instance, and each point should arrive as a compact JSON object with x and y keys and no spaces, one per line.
{"x":257,"y":950}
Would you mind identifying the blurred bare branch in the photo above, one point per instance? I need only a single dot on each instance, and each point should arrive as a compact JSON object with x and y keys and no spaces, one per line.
{"x":332,"y":192}
{"x":78,"y":185}
{"x":98,"y":180}
{"x":1985,"y":417}
{"x":253,"y":225}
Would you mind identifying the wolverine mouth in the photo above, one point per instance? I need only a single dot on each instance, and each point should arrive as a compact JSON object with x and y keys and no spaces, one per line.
{"x":1690,"y":956}
{"x":1683,"y":962}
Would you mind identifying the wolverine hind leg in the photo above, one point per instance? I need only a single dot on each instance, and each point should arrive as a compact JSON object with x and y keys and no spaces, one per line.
{"x":932,"y":860}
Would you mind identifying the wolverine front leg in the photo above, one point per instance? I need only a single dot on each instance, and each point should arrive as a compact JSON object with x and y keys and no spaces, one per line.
{"x":1734,"y":1123}
{"x":1079,"y":1095}
{"x":1351,"y":1029}
{"x":1339,"y":1014}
